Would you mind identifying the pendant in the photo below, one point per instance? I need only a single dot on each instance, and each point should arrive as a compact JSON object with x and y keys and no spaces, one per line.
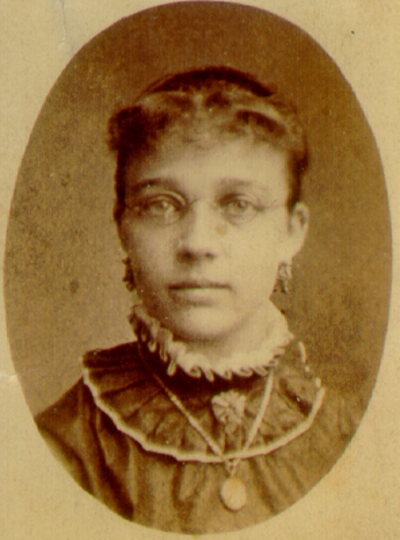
{"x":233,"y":494}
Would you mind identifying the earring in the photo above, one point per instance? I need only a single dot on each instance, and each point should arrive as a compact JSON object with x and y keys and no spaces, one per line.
{"x":283,"y":277}
{"x":129,"y":278}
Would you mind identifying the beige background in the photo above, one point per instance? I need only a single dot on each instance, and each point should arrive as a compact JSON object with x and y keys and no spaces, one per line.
{"x":359,"y":498}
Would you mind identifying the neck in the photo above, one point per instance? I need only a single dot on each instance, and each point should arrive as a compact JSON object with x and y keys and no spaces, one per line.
{"x":244,"y":339}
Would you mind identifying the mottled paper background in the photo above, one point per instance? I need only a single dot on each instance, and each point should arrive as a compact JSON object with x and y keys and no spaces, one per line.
{"x":360,"y":497}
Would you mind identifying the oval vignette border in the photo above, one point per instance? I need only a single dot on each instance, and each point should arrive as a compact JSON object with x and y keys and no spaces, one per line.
{"x":57,"y":219}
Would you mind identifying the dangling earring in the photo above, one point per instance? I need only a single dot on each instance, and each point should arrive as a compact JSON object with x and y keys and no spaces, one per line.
{"x":129,"y":278}
{"x":283,"y":277}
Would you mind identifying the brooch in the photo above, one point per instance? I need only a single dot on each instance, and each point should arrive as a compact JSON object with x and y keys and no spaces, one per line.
{"x":228,"y":409}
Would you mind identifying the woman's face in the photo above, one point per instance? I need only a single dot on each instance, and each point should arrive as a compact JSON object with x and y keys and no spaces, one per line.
{"x":206,"y":230}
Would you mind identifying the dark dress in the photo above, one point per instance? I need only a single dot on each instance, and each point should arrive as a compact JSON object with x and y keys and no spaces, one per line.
{"x":125,"y":442}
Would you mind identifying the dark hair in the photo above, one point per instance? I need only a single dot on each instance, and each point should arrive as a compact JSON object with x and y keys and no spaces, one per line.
{"x":214,"y":99}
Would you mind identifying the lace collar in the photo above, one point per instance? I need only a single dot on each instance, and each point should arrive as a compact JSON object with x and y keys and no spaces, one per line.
{"x":175,"y":354}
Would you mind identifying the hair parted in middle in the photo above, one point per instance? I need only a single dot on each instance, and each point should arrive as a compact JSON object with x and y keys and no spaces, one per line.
{"x":204,"y":106}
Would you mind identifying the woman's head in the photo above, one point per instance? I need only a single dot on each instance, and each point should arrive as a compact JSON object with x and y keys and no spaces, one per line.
{"x":202,"y":107}
{"x":208,"y":181}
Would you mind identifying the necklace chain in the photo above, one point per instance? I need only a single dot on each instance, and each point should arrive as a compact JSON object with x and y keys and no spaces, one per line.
{"x":233,"y":492}
{"x":230,"y":464}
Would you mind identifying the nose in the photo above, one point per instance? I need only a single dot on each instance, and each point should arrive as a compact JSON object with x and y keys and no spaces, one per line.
{"x":201,"y":233}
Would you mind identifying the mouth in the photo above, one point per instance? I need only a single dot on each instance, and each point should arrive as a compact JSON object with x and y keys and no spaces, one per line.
{"x":200,"y":293}
{"x":197,"y":284}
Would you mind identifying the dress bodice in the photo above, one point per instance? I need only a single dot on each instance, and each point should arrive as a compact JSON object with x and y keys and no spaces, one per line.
{"x":127,"y":443}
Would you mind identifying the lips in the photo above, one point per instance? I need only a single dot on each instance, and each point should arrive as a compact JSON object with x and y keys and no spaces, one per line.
{"x":199,"y":292}
{"x":198,"y":284}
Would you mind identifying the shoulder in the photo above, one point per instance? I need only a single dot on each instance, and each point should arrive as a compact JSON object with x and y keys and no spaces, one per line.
{"x":314,"y":422}
{"x":338,"y":414}
{"x":74,"y":404}
{"x":126,"y":352}
{"x":70,"y":425}
{"x":77,"y":402}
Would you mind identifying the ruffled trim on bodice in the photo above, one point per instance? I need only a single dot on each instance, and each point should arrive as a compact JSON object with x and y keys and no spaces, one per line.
{"x":125,"y":384}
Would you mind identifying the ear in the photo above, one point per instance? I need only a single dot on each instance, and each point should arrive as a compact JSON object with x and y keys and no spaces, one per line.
{"x":298,"y":227}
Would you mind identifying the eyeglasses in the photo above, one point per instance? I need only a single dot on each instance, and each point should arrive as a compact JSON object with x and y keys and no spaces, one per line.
{"x":167,"y":209}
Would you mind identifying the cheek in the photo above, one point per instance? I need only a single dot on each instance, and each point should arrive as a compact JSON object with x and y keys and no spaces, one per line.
{"x":260,"y":247}
{"x":256,"y":259}
{"x":148,"y":252}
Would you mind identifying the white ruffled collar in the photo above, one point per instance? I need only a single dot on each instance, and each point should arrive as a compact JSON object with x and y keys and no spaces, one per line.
{"x":174,"y":353}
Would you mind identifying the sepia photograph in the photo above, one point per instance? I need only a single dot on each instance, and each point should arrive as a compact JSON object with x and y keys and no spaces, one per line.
{"x":198,"y":281}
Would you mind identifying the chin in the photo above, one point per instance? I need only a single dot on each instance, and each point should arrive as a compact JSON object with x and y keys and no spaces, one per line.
{"x":202,"y":324}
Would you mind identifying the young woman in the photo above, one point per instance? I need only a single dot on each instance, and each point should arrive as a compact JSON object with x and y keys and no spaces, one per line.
{"x":211,"y":420}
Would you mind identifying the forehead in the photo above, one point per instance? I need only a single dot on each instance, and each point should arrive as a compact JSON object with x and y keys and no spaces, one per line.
{"x":214,"y":164}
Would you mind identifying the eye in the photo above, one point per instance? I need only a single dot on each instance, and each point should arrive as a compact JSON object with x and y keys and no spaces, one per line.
{"x":239,"y":209}
{"x":164,"y":208}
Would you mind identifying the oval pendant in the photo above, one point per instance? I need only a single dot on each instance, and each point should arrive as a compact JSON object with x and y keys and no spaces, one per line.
{"x":233,"y":494}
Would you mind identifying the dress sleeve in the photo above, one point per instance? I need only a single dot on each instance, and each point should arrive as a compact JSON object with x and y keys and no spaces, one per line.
{"x":89,"y":446}
{"x":62,"y":425}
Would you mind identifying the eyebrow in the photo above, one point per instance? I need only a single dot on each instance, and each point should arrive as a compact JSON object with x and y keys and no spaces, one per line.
{"x":236,"y":183}
{"x":171,"y":184}
{"x":251,"y":186}
{"x":139,"y":186}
